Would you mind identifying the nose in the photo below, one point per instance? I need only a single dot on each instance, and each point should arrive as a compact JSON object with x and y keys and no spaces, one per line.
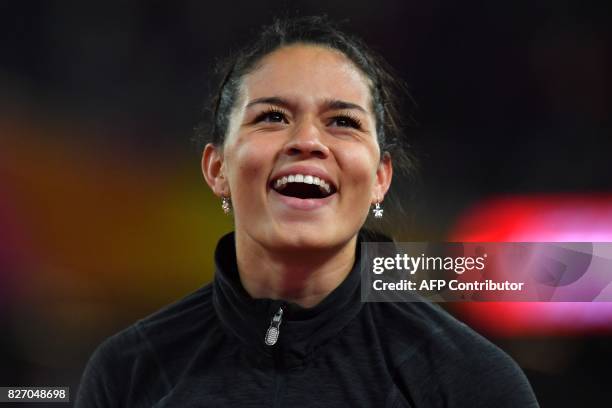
{"x":306,"y":141}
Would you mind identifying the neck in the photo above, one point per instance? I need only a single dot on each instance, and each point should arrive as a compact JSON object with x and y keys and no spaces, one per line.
{"x":305,"y":278}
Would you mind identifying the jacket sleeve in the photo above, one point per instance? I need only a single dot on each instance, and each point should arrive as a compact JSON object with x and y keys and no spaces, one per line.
{"x":464,"y":370}
{"x":99,"y":387}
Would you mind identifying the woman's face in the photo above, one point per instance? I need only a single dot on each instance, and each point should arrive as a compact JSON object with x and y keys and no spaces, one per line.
{"x":301,"y":160}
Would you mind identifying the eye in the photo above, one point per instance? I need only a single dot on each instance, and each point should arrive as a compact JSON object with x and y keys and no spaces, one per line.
{"x":272,"y":115}
{"x":346,"y":121}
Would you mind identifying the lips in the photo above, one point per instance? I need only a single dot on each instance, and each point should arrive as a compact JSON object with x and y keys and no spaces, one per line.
{"x":303,"y":187}
{"x":295,"y":203}
{"x":303,"y":183}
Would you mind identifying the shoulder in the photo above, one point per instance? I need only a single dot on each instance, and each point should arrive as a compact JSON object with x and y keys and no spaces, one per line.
{"x":415,"y":324}
{"x":438,"y":358}
{"x":180,"y":318}
{"x":148,"y":354}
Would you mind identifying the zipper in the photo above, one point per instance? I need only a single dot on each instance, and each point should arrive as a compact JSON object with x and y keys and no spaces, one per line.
{"x":274,"y":329}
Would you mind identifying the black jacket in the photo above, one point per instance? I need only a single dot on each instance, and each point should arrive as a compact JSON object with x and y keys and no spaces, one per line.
{"x":208,"y":350}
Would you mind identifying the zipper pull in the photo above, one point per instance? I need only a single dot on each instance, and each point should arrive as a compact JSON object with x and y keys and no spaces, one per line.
{"x":273,"y":331}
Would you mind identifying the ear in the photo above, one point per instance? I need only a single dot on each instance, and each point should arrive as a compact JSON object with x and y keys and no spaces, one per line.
{"x":214,"y":171}
{"x":384,"y":174}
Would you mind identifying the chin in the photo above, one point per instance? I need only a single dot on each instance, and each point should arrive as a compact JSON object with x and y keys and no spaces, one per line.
{"x":308,"y":237}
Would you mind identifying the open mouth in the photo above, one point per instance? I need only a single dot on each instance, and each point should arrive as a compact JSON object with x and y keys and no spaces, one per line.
{"x":303,"y":186}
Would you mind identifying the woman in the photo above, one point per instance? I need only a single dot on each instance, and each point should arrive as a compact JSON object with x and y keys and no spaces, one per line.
{"x":304,"y":133}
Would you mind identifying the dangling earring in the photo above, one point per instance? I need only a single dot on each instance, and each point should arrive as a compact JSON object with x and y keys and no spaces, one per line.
{"x":378,"y":211}
{"x":226,"y":204}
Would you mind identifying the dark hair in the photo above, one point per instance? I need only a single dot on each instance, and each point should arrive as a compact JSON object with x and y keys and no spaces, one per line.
{"x":391,"y":102}
{"x":387,"y":89}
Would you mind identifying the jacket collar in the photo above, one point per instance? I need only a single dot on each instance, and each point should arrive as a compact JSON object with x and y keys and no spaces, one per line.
{"x":302,"y":330}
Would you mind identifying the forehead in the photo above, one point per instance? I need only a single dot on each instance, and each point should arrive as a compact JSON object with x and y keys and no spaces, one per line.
{"x":308,"y":73}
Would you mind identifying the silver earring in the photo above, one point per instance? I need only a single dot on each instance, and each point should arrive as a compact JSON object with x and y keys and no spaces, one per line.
{"x":378,"y":211}
{"x":226,"y":204}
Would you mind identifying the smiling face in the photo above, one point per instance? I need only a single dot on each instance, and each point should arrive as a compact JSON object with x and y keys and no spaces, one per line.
{"x":301,"y":161}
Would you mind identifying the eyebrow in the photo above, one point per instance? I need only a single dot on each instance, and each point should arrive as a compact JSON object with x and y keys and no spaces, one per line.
{"x":329,"y":104}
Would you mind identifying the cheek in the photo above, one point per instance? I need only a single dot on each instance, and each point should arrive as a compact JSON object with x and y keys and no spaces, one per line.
{"x":248,"y":161}
{"x":359,"y":166}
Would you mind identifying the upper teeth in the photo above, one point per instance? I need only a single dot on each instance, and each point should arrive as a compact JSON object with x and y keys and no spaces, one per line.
{"x":301,"y":178}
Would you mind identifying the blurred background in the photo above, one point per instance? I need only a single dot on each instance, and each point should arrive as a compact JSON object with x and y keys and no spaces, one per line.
{"x":104,"y":215}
